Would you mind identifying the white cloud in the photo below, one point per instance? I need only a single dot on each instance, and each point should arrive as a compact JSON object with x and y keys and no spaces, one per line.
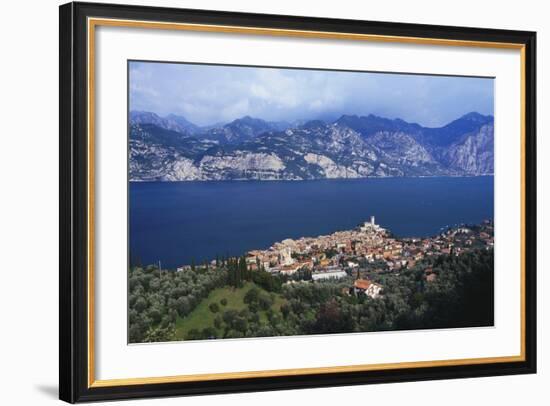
{"x":207,"y":94}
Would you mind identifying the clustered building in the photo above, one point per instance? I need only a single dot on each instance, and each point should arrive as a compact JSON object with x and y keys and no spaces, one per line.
{"x":345,"y":253}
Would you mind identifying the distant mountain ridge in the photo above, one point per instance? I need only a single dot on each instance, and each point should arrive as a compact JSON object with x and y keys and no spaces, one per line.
{"x":173,"y":149}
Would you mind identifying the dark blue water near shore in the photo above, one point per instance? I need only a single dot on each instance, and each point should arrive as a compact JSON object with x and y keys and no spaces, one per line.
{"x":176,"y":222}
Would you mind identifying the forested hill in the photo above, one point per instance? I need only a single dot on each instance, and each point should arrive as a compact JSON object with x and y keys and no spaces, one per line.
{"x":229,"y":301}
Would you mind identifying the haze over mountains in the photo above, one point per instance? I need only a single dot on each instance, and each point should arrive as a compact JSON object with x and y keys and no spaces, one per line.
{"x":173,"y":149}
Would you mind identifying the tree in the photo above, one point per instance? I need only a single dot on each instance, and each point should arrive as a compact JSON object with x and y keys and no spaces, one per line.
{"x":235,"y":274}
{"x":140,"y":304}
{"x":158,"y":334}
{"x":331,"y":319}
{"x":229,"y":317}
{"x":285,"y":310}
{"x":183,"y":306}
{"x":253,"y":307}
{"x":240,"y":324}
{"x":252,"y":295}
{"x":244,"y":269}
{"x":208,"y":332}
{"x":218,"y":322}
{"x":264,"y":301}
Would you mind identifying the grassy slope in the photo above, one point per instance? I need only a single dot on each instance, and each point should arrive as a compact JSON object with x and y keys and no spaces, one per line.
{"x":202,"y":317}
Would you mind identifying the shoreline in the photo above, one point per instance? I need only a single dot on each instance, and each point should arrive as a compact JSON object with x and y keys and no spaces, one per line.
{"x":259,"y":213}
{"x":370,"y":228}
{"x":309,"y":180}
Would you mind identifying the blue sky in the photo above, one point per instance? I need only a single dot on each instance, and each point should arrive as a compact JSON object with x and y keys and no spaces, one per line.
{"x":208,"y":94}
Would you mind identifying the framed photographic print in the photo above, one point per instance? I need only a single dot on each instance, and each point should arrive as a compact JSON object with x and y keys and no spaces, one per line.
{"x":256,"y":202}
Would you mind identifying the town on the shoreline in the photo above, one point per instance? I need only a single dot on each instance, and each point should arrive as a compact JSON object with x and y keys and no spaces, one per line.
{"x":368,"y":249}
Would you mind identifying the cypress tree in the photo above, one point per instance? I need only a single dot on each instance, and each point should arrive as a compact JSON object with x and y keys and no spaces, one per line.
{"x":237,"y":272}
{"x":243,"y":268}
{"x":232,"y":273}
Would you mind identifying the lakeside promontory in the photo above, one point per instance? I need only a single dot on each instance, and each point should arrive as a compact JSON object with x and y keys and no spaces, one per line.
{"x":350,"y":281}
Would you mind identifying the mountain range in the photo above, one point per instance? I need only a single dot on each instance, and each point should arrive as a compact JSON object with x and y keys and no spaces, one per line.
{"x":172,"y":148}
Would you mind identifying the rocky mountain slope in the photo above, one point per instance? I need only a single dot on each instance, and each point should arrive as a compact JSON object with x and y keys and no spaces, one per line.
{"x":173,"y":149}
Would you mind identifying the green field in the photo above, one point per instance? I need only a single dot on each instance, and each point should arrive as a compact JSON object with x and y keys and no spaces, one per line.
{"x":202,"y":317}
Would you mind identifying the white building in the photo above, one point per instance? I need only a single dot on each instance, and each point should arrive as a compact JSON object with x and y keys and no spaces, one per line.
{"x":329,"y":273}
{"x":370,"y":225}
{"x":285,"y":256}
{"x":367,"y":287}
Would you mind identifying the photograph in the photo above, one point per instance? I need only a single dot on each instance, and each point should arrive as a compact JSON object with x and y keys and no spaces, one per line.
{"x":269,"y":201}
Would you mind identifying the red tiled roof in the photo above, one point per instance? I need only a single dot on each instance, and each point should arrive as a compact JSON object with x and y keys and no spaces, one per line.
{"x":362,"y":284}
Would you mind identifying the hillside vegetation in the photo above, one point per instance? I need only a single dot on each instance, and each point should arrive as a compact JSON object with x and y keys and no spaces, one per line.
{"x":230,"y":301}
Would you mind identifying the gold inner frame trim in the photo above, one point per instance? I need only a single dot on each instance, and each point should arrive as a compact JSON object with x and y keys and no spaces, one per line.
{"x":94,"y":22}
{"x":300,"y":371}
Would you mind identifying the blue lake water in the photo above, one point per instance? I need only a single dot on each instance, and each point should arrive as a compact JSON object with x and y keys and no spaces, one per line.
{"x":177,"y":222}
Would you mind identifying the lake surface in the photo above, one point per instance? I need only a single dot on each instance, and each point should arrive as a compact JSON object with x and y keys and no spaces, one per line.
{"x":177,"y":222}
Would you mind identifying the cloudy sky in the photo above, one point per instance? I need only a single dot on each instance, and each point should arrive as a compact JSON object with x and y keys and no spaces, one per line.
{"x":208,"y":94}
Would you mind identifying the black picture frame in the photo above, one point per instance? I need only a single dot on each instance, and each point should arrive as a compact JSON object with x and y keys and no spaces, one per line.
{"x":74,"y":200}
